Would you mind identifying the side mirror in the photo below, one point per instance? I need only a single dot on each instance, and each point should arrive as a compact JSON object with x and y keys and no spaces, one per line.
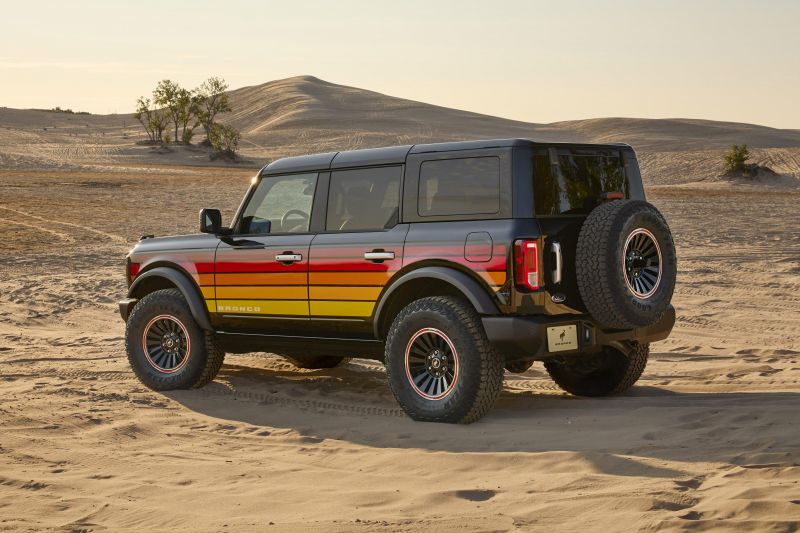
{"x":210,"y":221}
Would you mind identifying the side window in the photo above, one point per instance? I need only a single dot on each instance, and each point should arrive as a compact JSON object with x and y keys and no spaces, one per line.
{"x":280,"y":205}
{"x":469,"y":186}
{"x":366,"y":199}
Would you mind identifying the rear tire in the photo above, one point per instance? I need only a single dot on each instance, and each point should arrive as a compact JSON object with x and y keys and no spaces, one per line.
{"x":440,"y":365}
{"x":605,"y":374}
{"x":166,"y":348}
{"x":625,"y":264}
{"x":316,"y":362}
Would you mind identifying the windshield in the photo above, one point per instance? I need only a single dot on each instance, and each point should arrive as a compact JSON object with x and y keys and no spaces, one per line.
{"x":568,"y":181}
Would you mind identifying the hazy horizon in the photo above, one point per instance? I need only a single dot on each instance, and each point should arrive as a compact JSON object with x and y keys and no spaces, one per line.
{"x":528,"y":61}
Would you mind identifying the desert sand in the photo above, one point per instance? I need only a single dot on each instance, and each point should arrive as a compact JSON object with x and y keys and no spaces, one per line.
{"x":708,"y":439}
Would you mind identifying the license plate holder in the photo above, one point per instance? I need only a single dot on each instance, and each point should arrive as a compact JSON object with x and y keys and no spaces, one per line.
{"x":562,"y":338}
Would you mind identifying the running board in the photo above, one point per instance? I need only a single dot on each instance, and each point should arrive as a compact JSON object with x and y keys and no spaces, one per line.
{"x":299,"y":345}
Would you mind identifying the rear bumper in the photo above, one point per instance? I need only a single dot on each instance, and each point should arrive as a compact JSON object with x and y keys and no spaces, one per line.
{"x":518,"y":337}
{"x":125,"y":307}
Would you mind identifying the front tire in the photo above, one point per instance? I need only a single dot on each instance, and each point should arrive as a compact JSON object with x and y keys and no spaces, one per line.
{"x":166,"y":348}
{"x":440,"y":365}
{"x":605,"y":374}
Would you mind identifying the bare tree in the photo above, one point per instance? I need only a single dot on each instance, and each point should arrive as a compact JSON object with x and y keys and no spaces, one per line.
{"x":171,"y":96}
{"x":212,"y":101}
{"x":153,"y":120}
{"x":143,"y":114}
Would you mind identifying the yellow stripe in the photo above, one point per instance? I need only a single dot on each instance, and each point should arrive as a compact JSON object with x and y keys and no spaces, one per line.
{"x":208,"y":292}
{"x":345,"y":293}
{"x":212,"y":306}
{"x":262,"y":307}
{"x":341,"y":308}
{"x":275,"y":292}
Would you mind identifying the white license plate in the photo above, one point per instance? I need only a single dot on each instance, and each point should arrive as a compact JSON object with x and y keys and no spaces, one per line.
{"x":562,"y":338}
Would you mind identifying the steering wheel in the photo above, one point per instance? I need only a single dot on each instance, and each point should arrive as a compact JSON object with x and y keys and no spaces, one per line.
{"x":291,"y":212}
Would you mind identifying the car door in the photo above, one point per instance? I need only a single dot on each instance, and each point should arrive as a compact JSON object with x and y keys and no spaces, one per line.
{"x":361,"y":246}
{"x":261,"y":271}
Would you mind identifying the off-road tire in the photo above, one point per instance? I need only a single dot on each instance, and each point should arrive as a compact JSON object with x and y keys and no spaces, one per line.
{"x":606,"y":374}
{"x":203,"y":360}
{"x":316,"y":362}
{"x":479,"y":377}
{"x":600,"y":265}
{"x":518,"y":367}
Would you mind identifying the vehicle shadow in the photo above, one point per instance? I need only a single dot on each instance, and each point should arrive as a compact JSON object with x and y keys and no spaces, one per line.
{"x":354,"y":404}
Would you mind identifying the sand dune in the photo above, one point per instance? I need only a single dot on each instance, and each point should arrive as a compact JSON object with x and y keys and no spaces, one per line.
{"x":305,"y":114}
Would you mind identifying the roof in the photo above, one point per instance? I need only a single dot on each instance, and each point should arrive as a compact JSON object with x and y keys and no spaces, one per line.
{"x":391,"y":155}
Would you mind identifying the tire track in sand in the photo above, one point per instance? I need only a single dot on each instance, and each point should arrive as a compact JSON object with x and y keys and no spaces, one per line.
{"x":111,"y":236}
{"x":39,"y":228}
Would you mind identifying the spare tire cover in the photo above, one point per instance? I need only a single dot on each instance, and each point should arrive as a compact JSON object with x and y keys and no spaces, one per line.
{"x":625,"y":264}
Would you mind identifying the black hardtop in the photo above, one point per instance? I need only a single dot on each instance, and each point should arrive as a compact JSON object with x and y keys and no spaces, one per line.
{"x":396,"y":155}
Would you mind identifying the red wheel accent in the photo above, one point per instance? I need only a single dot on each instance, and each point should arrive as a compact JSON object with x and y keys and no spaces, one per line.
{"x":166,"y":344}
{"x":641,"y":263}
{"x":431,"y":363}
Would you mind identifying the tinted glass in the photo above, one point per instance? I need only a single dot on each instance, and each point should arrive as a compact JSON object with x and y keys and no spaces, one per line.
{"x":572,"y":181}
{"x":469,"y":186}
{"x":280,"y":205}
{"x":364,"y":200}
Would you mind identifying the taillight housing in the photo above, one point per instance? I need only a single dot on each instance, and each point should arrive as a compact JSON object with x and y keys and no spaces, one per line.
{"x":526,"y":265}
{"x":131,"y":270}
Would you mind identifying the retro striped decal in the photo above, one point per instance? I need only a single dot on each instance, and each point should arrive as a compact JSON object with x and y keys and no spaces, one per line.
{"x":330,"y":281}
{"x":493,"y":271}
{"x":198,"y":264}
{"x":343,"y":284}
{"x":254,"y":285}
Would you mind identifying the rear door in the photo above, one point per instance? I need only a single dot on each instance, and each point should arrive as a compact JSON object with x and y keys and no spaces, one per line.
{"x":568,"y":182}
{"x":361,"y":246}
{"x":261,"y":272}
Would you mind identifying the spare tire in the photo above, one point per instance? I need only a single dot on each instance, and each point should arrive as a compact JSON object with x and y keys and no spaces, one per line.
{"x":625,"y":264}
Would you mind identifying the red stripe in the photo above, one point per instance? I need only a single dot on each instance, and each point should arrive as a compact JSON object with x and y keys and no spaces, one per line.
{"x":353,"y":266}
{"x":228,"y":267}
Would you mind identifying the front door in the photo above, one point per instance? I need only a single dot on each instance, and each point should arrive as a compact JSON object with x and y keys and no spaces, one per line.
{"x":361,"y":247}
{"x":261,"y":272}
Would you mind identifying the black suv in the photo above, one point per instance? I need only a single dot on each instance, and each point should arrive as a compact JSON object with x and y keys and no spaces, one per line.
{"x":448,"y":262}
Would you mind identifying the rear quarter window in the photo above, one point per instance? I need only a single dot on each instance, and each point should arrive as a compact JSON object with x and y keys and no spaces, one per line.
{"x":468,"y":186}
{"x":571,"y":181}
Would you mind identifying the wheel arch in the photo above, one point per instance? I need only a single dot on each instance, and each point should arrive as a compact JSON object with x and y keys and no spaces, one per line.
{"x":164,"y":277}
{"x":425,"y":281}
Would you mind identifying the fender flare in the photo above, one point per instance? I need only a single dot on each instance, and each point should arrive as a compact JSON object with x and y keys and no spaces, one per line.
{"x":477,"y":295}
{"x":187,"y":287}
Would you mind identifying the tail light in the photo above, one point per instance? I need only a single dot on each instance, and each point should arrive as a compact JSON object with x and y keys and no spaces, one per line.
{"x":132,"y":270}
{"x":526,"y":265}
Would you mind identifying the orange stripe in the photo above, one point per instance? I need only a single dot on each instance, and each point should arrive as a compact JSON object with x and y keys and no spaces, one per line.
{"x":349,"y":278}
{"x":275,"y":292}
{"x":369,"y":294}
{"x":493,"y":278}
{"x":204,"y":279}
{"x":275,"y":278}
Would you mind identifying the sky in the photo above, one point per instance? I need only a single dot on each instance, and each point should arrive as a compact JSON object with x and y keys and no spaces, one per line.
{"x":536,"y":61}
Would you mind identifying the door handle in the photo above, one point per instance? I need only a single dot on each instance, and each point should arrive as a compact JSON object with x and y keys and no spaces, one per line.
{"x":378,"y":256}
{"x":288,"y":258}
{"x":556,"y":247}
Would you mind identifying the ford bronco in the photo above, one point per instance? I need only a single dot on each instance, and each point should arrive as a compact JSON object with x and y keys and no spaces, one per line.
{"x":448,"y":262}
